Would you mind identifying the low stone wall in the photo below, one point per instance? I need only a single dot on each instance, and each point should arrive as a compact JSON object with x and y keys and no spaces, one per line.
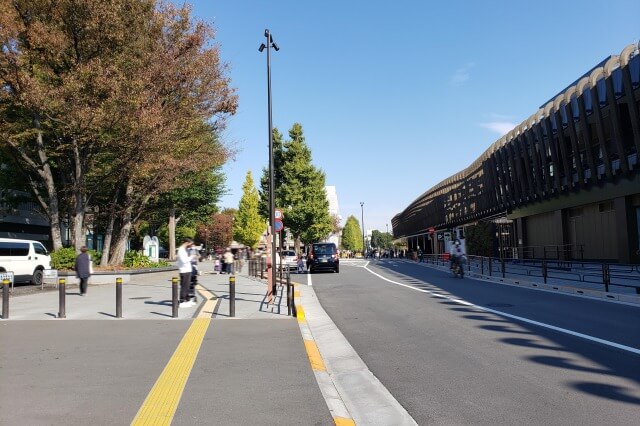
{"x":109,"y":277}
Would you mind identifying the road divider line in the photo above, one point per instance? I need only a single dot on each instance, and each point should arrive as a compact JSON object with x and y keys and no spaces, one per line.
{"x":161,"y":403}
{"x":504,"y":314}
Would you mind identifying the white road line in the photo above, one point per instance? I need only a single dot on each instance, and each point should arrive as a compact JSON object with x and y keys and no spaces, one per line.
{"x":540,"y":324}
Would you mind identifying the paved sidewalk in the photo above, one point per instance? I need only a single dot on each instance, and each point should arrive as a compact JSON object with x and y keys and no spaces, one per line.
{"x":149,"y":296}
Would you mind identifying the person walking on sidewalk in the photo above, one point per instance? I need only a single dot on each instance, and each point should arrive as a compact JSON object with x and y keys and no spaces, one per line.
{"x":83,"y":269}
{"x":185,"y":268}
{"x":228,"y":261}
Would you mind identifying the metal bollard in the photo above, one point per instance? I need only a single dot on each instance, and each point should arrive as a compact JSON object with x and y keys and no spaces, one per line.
{"x":5,"y":299}
{"x":606,"y":277}
{"x":544,"y":270}
{"x":502,"y":264}
{"x":118,"y":297}
{"x":482,"y":265}
{"x":62,"y":295}
{"x":174,"y":297}
{"x":232,"y":296}
{"x":289,"y":295}
{"x":490,"y":267}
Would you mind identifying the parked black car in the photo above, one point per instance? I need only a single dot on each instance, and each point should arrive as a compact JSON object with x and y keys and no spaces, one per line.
{"x":324,"y":256}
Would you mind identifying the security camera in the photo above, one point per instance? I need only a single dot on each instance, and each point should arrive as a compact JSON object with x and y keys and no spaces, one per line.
{"x":262,"y":47}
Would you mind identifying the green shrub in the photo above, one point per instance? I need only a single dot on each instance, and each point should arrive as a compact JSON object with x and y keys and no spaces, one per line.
{"x":135,"y":259}
{"x":65,"y":258}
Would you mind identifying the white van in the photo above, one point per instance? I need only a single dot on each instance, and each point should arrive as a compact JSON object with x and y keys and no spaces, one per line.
{"x":25,"y":258}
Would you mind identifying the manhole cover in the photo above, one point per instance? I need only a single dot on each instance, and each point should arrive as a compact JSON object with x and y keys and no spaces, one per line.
{"x":140,"y":298}
{"x":500,"y":305}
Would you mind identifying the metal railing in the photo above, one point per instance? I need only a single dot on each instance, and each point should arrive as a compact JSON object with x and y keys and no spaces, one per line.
{"x":557,"y":252}
{"x":590,"y":275}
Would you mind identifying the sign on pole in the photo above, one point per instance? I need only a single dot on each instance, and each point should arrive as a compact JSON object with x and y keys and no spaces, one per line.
{"x":277,"y":224}
{"x":277,"y":215}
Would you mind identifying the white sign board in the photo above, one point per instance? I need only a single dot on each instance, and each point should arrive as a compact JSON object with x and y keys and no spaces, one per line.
{"x":6,"y":276}
{"x":49,"y":276}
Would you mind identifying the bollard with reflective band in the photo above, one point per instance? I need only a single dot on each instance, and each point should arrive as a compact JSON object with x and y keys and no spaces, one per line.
{"x":232,"y":296}
{"x":5,"y":299}
{"x":62,"y":295}
{"x":174,"y":297}
{"x":118,"y":297}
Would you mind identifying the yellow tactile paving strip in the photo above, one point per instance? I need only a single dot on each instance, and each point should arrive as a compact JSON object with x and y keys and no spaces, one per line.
{"x":209,"y":306}
{"x":160,"y":405}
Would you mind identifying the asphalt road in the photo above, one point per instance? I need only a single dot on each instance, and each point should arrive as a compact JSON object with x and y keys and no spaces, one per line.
{"x":447,"y":360}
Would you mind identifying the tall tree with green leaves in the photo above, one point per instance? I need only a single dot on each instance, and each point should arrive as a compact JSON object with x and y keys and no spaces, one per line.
{"x":248,"y":225}
{"x":299,"y":189}
{"x":352,"y":235}
{"x":302,"y":193}
{"x":278,"y":152}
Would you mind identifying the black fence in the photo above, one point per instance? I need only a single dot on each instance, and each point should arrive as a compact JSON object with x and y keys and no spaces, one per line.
{"x":619,"y":278}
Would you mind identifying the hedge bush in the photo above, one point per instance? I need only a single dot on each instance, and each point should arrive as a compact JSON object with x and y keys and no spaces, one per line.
{"x":65,"y":258}
{"x":135,"y":259}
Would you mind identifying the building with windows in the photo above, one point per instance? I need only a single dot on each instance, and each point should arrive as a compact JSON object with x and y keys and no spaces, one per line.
{"x":563,"y":184}
{"x":22,"y":218}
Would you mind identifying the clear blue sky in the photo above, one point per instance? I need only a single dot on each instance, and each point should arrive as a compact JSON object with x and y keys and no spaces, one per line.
{"x":394,"y":97}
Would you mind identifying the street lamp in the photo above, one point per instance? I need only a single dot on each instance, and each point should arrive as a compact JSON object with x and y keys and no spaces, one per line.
{"x":270,"y":43}
{"x":364,"y":247}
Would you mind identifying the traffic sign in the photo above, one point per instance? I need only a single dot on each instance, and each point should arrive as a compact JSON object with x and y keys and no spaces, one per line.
{"x":277,"y":214}
{"x":277,"y":224}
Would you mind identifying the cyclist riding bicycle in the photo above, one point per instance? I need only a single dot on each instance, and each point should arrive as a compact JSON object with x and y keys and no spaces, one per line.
{"x":457,"y":254}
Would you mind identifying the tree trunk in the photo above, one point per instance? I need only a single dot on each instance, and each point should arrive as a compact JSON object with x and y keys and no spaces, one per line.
{"x":120,"y":245}
{"x":108,"y":236}
{"x":79,"y":235}
{"x":172,"y":234}
{"x":80,"y":200}
{"x":106,"y":247}
{"x":52,"y":205}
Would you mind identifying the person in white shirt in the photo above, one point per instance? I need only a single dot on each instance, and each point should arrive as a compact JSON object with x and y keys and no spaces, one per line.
{"x":457,"y":253}
{"x":184,"y":266}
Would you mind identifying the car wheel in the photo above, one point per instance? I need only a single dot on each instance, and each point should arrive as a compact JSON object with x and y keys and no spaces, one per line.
{"x":36,"y":279}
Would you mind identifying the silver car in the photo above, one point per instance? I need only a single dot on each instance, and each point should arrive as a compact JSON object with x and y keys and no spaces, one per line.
{"x":289,"y":259}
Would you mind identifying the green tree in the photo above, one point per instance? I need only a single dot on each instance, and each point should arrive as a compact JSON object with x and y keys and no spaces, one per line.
{"x":352,"y":235}
{"x":192,"y":202}
{"x":278,"y":152}
{"x":479,"y":239}
{"x":95,"y":116}
{"x":303,"y":192}
{"x":299,"y":189}
{"x":248,"y":225}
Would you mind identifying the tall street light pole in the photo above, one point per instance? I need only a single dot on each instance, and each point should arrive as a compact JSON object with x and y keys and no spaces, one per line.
{"x":364,"y":247}
{"x":272,"y":208}
{"x":386,"y":240}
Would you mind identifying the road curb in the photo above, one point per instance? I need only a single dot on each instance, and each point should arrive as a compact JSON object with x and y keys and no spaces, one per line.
{"x":347,"y":384}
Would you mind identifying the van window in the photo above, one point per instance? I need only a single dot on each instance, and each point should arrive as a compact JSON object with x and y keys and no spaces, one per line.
{"x":14,"y":249}
{"x":39,"y":249}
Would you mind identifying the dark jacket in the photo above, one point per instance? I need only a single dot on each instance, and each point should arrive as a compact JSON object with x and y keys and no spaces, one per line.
{"x":82,"y":265}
